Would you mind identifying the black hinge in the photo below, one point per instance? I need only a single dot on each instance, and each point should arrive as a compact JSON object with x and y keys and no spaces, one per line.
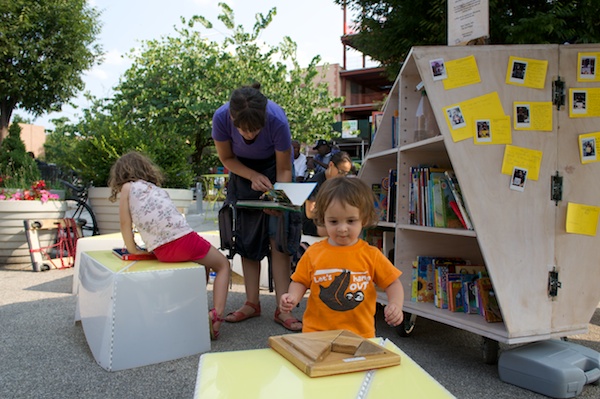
{"x":553,"y":283}
{"x":556,"y":188}
{"x":558,"y":93}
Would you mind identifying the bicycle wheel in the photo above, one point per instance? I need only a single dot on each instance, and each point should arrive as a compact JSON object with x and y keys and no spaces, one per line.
{"x":83,"y":215}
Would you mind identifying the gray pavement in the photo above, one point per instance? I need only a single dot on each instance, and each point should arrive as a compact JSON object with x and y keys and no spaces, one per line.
{"x":44,"y":354}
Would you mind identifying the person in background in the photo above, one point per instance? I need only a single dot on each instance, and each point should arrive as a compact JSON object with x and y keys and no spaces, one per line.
{"x":163,"y":229}
{"x":323,"y":156}
{"x":253,"y":140}
{"x":339,"y":166}
{"x":299,"y":162}
{"x":341,"y":271}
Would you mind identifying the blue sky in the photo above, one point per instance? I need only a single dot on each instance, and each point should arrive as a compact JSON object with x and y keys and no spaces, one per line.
{"x":315,"y":25}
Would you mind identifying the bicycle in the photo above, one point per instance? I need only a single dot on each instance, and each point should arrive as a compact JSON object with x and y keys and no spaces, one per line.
{"x":78,"y":208}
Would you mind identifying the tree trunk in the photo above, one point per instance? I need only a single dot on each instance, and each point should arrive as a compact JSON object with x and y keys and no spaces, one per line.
{"x":6,"y":109}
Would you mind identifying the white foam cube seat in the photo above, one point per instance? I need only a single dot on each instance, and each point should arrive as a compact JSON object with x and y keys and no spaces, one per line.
{"x":137,"y":313}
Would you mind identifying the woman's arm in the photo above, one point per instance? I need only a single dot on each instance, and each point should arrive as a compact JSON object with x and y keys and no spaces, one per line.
{"x":259,"y":181}
{"x":283,"y":161}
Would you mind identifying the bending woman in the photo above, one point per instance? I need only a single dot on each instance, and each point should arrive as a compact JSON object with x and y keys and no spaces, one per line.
{"x":253,"y":140}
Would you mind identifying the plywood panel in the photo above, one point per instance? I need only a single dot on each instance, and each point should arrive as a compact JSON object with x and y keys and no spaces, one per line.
{"x":577,"y":256}
{"x":516,"y":249}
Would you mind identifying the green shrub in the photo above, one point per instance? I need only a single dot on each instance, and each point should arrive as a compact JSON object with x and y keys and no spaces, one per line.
{"x":17,"y":168}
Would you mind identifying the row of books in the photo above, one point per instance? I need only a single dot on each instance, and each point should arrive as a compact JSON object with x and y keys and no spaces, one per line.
{"x":385,"y":196}
{"x":454,"y":284}
{"x":435,"y":199}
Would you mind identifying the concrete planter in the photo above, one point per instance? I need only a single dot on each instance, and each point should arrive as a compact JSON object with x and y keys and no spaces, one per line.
{"x":107,"y":213}
{"x":14,"y":250}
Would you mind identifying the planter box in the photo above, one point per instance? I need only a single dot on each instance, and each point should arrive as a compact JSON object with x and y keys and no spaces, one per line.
{"x":107,"y":213}
{"x":14,"y":250}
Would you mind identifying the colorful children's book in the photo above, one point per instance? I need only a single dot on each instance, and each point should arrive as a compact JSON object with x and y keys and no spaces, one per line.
{"x":283,"y":196}
{"x":425,"y":275}
{"x":453,"y":182}
{"x":391,"y":197}
{"x":437,"y":180}
{"x":489,"y":303}
{"x":123,"y":254}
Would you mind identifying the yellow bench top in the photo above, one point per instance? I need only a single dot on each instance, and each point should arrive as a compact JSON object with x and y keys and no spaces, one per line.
{"x":116,"y":265}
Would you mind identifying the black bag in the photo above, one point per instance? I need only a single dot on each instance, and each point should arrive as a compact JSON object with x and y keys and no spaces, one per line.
{"x":226,"y":228}
{"x":287,"y":239}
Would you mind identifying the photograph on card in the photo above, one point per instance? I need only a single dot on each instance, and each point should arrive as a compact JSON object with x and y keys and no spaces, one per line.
{"x":518,"y":179}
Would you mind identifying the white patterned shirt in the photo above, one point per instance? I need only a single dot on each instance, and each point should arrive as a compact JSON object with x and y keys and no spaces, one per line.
{"x":155,"y":215}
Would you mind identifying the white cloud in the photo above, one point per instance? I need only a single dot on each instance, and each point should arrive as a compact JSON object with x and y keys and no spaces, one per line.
{"x":114,"y":57}
{"x":97,"y":73}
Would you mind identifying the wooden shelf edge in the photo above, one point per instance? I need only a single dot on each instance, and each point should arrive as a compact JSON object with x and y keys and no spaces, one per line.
{"x":381,"y":154}
{"x":433,"y":142}
{"x":438,"y":230}
{"x":475,"y":323}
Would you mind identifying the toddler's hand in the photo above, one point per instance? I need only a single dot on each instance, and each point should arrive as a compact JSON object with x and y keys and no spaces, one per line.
{"x":393,"y":315}
{"x":286,"y":303}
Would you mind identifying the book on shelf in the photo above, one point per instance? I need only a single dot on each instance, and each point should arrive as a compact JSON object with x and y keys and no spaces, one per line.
{"x":382,"y":198}
{"x":377,"y":190}
{"x":283,"y":196}
{"x":414,"y":282}
{"x":455,"y":296}
{"x":374,"y":237}
{"x":391,"y":196}
{"x":455,"y":188}
{"x":430,"y":198}
{"x":487,"y":300}
{"x":425,"y":279}
{"x":436,"y":184}
{"x":470,"y":295}
{"x":443,"y":266}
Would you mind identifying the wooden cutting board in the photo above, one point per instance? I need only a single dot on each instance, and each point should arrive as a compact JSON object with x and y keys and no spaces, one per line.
{"x":324,"y":353}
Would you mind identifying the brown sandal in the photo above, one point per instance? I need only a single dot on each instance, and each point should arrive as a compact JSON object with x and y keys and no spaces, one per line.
{"x":238,"y":316}
{"x":287,"y":324}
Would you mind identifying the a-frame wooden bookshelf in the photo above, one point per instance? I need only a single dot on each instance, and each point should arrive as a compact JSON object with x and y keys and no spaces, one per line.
{"x":519,"y":236}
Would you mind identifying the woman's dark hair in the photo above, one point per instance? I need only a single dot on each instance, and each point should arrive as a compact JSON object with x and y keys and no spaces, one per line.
{"x":340,"y":157}
{"x":248,"y":108}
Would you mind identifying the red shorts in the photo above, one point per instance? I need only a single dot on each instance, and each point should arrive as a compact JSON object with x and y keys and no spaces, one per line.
{"x":190,"y":247}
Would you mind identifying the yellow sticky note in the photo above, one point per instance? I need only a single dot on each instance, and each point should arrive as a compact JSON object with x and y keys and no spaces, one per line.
{"x":584,"y":103}
{"x":586,"y":64}
{"x":495,"y":130}
{"x":533,"y":115}
{"x":524,"y":158}
{"x":461,"y":72}
{"x":460,"y":117}
{"x":588,"y":147}
{"x":526,"y":72}
{"x":582,"y":219}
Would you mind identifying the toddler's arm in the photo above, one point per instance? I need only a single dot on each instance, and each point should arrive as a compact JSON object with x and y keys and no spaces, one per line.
{"x":393,"y":311}
{"x":290,"y":299}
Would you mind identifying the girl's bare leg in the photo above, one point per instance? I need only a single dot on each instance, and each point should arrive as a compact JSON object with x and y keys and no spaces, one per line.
{"x":216,"y":261}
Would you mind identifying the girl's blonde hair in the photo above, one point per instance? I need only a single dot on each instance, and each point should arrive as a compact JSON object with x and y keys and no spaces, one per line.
{"x":131,"y":167}
{"x":348,"y":191}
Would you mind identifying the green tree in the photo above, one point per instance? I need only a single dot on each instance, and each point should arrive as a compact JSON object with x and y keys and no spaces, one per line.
{"x":45,"y":45}
{"x":180,"y":81}
{"x":388,"y":29}
{"x":17,"y":168}
{"x":165,"y":101}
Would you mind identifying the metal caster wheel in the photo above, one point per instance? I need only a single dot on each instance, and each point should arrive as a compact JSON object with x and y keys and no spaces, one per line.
{"x":489,"y":349}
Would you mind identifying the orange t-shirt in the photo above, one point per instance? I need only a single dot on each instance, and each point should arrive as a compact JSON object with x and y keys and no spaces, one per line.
{"x":342,"y":286}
